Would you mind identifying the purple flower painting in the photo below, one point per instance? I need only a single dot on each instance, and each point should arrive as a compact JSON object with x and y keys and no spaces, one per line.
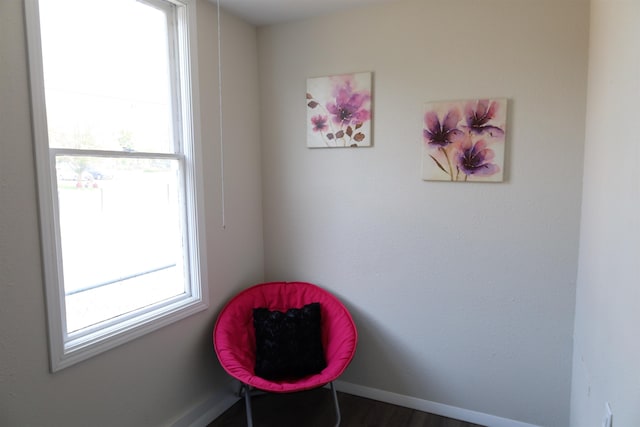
{"x":464,"y":140}
{"x":339,"y":111}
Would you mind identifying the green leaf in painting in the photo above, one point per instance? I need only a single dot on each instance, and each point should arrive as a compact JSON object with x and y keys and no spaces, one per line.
{"x":358,"y":126}
{"x":353,"y":145}
{"x":438,"y":163}
{"x":309,"y":96}
{"x":330,"y":136}
{"x":349,"y":131}
{"x":340,"y":134}
{"x":312,"y":104}
{"x":359,"y":137}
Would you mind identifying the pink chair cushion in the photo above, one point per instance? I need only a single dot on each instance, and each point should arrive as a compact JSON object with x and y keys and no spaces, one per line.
{"x":235,"y":343}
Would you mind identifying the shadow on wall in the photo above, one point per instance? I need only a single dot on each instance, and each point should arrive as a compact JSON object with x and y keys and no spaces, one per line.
{"x":382,"y":360}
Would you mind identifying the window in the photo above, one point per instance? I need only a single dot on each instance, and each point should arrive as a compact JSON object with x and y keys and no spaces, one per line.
{"x":117,"y":147}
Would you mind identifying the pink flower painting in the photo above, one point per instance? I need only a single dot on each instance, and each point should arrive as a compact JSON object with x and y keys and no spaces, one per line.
{"x":464,"y":141}
{"x":339,"y":111}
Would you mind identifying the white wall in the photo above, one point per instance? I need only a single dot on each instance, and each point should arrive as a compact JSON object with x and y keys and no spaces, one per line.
{"x":159,"y":377}
{"x":607,"y":345}
{"x":463,"y":293}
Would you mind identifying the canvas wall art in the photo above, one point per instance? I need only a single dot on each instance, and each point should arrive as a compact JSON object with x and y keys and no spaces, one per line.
{"x":464,"y":141}
{"x":339,"y":111}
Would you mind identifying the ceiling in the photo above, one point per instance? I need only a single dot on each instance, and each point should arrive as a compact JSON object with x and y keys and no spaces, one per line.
{"x":267,"y":12}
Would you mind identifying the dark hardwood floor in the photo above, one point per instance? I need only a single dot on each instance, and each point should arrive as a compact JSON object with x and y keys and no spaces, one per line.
{"x":315,"y":409}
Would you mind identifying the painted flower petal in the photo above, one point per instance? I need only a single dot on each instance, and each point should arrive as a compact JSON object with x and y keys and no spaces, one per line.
{"x":469,"y":112}
{"x":319,"y":123}
{"x":476,"y":159}
{"x":451,"y":120}
{"x":493,"y":131}
{"x":493,"y":109}
{"x":445,"y":133}
{"x":343,"y":96}
{"x":432,"y":122}
{"x":481,"y":108}
{"x":358,"y":99}
{"x":455,"y":135}
{"x":487,"y":169}
{"x":361,"y":116}
{"x":349,"y":106}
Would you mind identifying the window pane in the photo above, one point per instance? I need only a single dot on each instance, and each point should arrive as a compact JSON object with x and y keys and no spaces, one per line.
{"x":107,"y":75}
{"x":121,"y":227}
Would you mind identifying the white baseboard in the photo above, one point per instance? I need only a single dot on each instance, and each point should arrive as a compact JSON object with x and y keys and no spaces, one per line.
{"x":203,"y":414}
{"x":428,"y":406}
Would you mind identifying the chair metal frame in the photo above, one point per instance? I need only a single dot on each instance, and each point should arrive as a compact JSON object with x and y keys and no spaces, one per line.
{"x":247,"y":391}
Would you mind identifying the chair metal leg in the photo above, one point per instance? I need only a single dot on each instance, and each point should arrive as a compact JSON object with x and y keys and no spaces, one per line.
{"x":241,"y":390}
{"x":335,"y":402}
{"x":246,"y":390}
{"x":247,"y":405}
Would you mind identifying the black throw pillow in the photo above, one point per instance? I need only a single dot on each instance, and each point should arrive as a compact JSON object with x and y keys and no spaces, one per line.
{"x":288,"y":345}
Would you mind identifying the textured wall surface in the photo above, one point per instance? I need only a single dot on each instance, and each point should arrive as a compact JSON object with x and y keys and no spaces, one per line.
{"x":464,"y":293}
{"x":607,"y":350}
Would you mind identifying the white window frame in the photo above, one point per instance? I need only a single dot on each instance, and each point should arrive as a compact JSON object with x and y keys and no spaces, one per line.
{"x":68,"y":349}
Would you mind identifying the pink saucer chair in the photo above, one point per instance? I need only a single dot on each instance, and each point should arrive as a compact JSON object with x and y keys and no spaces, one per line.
{"x":284,"y":337}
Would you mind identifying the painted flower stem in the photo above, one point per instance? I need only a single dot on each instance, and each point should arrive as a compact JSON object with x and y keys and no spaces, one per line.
{"x":444,"y":151}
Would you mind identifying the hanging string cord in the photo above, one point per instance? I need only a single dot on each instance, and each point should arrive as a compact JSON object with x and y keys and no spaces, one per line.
{"x":224,"y":222}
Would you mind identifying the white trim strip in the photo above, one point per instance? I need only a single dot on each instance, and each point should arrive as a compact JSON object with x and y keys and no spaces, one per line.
{"x":203,"y":414}
{"x":47,"y":194}
{"x":428,"y":406}
{"x":116,"y":154}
